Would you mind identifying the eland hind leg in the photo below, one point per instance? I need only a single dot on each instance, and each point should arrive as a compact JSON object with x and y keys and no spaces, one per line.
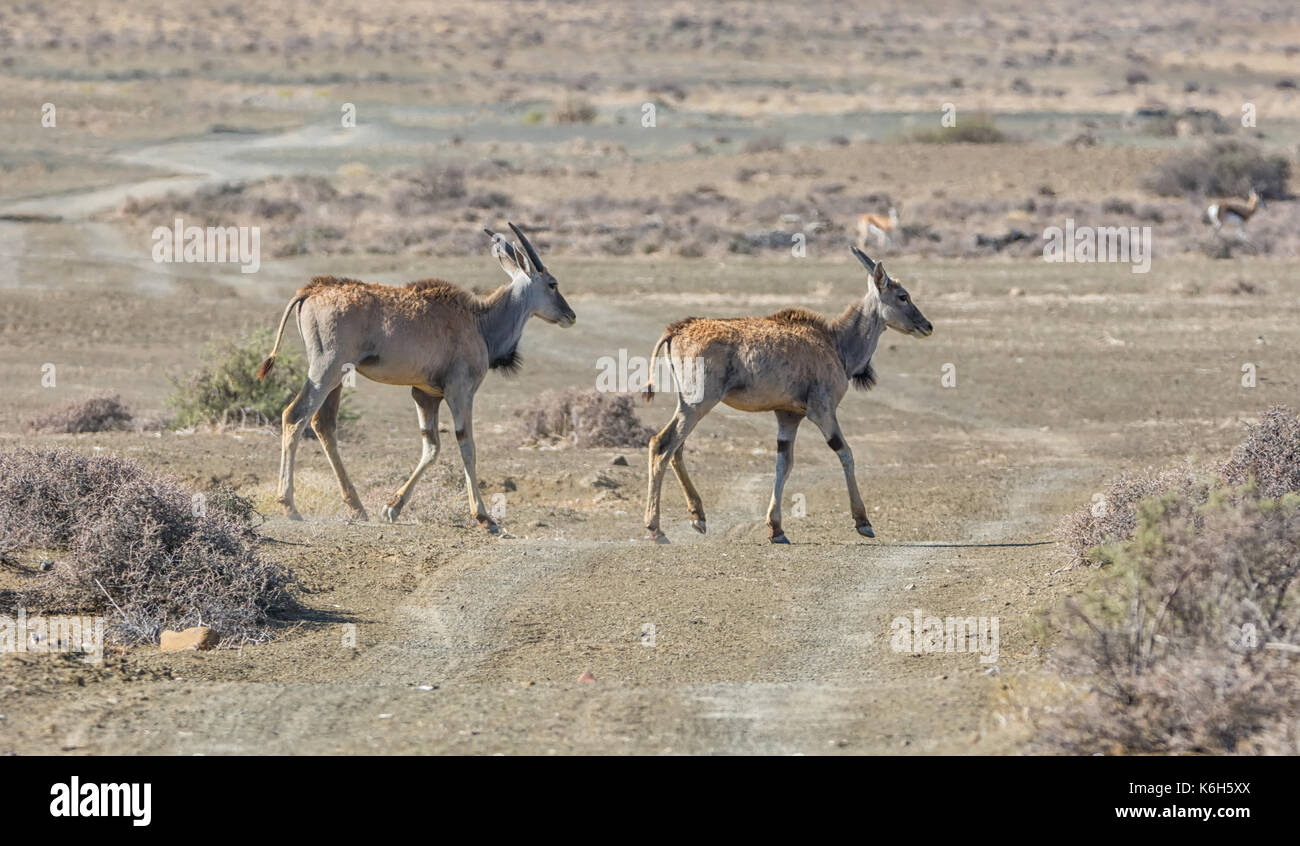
{"x":325,"y":423}
{"x":315,"y":390}
{"x":662,"y":451}
{"x":787,"y":425}
{"x":694,"y":504}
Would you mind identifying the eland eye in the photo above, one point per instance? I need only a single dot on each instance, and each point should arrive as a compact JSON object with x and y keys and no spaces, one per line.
{"x":553,"y":285}
{"x":902,"y":298}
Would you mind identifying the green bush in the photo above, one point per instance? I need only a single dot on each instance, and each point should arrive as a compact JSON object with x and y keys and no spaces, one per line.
{"x":224,"y":389}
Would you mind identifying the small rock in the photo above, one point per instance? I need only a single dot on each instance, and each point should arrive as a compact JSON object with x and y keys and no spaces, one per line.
{"x":196,"y":637}
{"x":619,"y":461}
{"x":1016,"y":292}
{"x":587,"y":678}
{"x":600,"y":480}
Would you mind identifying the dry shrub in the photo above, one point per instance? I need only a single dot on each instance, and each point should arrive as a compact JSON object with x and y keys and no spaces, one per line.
{"x":978,"y":129}
{"x":573,"y":111}
{"x":97,"y":414}
{"x":1113,"y":515}
{"x":585,"y":418}
{"x":1269,"y":459}
{"x":1225,"y":168}
{"x":764,"y":144}
{"x":1188,"y":644}
{"x":1269,"y":456}
{"x":427,"y":189}
{"x":137,"y":548}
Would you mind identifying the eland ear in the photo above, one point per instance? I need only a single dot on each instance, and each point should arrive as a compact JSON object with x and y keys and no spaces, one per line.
{"x":879,"y":276}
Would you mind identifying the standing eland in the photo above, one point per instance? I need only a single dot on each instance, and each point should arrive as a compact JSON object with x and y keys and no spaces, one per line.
{"x":795,"y":363}
{"x":438,"y":338}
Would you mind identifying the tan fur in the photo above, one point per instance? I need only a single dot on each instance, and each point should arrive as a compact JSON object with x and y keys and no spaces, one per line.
{"x":795,"y":363}
{"x":885,"y":224}
{"x":1231,"y":211}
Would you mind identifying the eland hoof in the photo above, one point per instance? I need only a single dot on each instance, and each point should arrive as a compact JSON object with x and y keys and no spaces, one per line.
{"x":779,"y":539}
{"x":866,"y":531}
{"x":657,"y":536}
{"x":389,"y":514}
{"x":698,"y":525}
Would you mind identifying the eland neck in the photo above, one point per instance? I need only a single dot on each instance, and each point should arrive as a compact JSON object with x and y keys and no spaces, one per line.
{"x":857,"y":331}
{"x":501,"y":323}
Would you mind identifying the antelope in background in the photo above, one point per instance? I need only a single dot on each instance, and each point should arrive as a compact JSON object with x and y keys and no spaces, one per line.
{"x":431,"y":335}
{"x":1231,"y":211}
{"x":883,"y":227}
{"x":794,"y":363}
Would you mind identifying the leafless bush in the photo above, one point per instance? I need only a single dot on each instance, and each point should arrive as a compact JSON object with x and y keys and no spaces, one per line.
{"x":1269,"y":456}
{"x":137,"y":547}
{"x":585,"y":418}
{"x":1112,"y":516}
{"x":431,"y":186}
{"x":1189,"y":643}
{"x":764,"y":144}
{"x":97,"y":414}
{"x":573,"y":111}
{"x":1228,"y":168}
{"x":1269,"y":459}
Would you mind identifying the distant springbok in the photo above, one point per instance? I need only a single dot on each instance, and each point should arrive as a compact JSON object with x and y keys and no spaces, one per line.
{"x":432,"y":335}
{"x":1230,"y":211}
{"x":795,"y":363}
{"x":881,"y":226}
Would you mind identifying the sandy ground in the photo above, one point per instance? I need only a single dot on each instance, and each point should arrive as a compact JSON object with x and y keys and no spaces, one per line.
{"x":464,"y":642}
{"x":430,"y":636}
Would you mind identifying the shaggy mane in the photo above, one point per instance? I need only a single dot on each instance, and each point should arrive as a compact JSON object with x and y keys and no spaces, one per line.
{"x":800,"y":316}
{"x":438,"y":290}
{"x":865,"y":379}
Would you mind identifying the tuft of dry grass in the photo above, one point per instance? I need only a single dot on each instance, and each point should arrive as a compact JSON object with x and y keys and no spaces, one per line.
{"x":97,"y":414}
{"x":584,"y":418}
{"x":138,"y":548}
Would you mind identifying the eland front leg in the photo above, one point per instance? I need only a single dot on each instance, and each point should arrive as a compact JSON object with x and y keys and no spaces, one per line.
{"x":426,"y":409}
{"x":830,"y":427}
{"x":461,"y":403}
